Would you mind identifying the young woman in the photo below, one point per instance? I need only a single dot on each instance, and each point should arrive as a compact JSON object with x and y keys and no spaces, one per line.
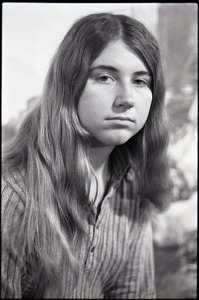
{"x":87,"y":169}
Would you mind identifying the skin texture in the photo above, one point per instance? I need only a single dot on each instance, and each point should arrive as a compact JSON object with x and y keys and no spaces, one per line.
{"x":113,"y":92}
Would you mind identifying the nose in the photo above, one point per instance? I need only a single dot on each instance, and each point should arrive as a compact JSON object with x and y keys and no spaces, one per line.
{"x":124,"y":96}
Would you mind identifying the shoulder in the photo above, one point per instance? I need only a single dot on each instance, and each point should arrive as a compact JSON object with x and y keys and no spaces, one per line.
{"x":13,"y":193}
{"x":141,"y":209}
{"x":13,"y":180}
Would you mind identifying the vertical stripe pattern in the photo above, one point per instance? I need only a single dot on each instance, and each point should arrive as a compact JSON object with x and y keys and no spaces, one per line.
{"x":119,"y":259}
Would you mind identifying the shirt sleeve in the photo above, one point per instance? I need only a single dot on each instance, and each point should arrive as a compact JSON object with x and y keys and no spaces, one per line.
{"x":11,"y":261}
{"x":137,"y":278}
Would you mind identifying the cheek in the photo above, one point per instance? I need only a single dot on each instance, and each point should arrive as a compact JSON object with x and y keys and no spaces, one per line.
{"x":87,"y":105}
{"x":144,"y":107}
{"x":93,"y":103}
{"x":147,"y":107}
{"x":88,"y":108}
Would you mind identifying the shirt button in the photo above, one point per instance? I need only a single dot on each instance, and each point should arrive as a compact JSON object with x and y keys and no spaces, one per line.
{"x":92,"y":249}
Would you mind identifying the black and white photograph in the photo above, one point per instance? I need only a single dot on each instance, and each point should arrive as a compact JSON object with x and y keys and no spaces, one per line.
{"x":99,"y":150}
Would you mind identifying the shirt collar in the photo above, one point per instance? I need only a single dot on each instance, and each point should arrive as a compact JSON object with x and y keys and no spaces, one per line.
{"x":122,"y":165}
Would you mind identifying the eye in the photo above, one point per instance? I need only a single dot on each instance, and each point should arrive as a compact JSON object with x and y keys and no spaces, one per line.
{"x":104,"y":79}
{"x":140,"y":82}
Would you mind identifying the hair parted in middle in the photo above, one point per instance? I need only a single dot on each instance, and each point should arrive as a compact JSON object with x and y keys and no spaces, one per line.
{"x":68,"y":75}
{"x":53,"y":147}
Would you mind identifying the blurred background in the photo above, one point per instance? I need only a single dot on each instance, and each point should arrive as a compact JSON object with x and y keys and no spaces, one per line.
{"x":31,"y":34}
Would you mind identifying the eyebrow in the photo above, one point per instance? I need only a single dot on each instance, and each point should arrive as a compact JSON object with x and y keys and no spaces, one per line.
{"x":113,"y":69}
{"x":104,"y":67}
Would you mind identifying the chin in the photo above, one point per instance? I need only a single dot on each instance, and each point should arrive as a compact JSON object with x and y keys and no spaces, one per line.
{"x":115,"y":140}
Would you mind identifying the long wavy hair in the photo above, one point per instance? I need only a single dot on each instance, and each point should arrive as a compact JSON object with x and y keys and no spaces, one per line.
{"x":52,"y":147}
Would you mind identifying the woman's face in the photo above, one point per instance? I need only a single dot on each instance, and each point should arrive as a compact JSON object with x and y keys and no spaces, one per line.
{"x":117,"y":97}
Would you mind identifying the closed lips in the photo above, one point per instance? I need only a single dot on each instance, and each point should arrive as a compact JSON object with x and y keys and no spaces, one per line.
{"x":120,"y":119}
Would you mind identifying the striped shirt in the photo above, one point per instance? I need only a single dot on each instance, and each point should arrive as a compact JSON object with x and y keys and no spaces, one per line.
{"x":119,"y":259}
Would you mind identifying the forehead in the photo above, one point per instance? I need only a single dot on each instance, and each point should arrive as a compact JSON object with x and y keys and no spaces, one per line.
{"x":119,"y":55}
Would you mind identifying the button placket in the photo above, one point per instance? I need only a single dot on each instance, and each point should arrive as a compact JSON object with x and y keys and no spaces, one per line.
{"x":95,"y":239}
{"x":94,"y":229}
{"x":90,"y":241}
{"x":104,"y":206}
{"x":91,"y":249}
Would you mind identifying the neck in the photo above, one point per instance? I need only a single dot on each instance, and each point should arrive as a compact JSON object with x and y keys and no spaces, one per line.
{"x":99,"y":157}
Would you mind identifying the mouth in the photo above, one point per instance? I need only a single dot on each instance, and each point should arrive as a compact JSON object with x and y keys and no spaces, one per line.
{"x":120,"y":119}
